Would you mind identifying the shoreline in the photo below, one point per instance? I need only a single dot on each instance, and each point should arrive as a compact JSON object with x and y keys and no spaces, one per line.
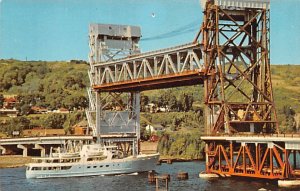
{"x":14,"y":161}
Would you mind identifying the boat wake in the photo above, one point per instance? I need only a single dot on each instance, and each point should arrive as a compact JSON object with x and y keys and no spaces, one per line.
{"x":131,"y":174}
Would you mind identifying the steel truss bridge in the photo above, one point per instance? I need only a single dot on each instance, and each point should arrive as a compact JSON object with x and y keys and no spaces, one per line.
{"x":230,"y":57}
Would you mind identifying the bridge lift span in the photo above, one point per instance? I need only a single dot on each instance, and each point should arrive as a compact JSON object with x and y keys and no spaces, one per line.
{"x":230,"y":57}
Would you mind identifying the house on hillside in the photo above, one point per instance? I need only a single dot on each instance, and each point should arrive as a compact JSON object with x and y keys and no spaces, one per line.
{"x":80,"y":128}
{"x":43,"y":132}
{"x":153,"y":108}
{"x":61,"y":110}
{"x":155,"y":128}
{"x":39,"y":110}
{"x":163,"y":109}
{"x":10,"y":102}
{"x":9,"y":112}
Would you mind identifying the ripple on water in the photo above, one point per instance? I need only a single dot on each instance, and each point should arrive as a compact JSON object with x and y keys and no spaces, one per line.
{"x":14,"y":180}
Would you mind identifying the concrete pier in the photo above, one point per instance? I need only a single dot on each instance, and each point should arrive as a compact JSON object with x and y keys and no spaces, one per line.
{"x":2,"y":150}
{"x":43,"y":150}
{"x":24,"y":148}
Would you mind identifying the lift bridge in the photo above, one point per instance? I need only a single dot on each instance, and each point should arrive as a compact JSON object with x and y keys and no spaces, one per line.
{"x":230,"y":57}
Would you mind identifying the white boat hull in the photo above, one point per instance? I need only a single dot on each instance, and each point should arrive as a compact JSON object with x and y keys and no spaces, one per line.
{"x":288,"y":183}
{"x":141,"y":163}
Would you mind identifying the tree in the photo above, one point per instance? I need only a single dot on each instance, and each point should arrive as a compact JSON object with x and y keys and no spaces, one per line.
{"x":144,"y":101}
{"x":289,"y":124}
{"x":175,"y":123}
{"x":72,"y":119}
{"x":55,"y":121}
{"x":145,"y":135}
{"x":1,"y":100}
{"x":75,"y":101}
{"x":17,"y":124}
{"x":173,"y":103}
{"x":25,"y":109}
{"x":187,"y":102}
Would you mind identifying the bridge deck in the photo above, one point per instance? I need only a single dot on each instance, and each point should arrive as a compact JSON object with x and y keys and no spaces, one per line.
{"x":172,"y":67}
{"x":290,"y":138}
{"x":158,"y":82}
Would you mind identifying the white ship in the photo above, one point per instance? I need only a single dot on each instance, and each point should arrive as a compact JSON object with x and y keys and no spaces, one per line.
{"x":92,"y":160}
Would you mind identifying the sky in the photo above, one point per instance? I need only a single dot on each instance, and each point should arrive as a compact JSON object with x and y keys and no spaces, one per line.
{"x":58,"y":29}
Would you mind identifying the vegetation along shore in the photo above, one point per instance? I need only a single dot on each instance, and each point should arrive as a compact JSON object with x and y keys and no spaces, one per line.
{"x":52,"y":95}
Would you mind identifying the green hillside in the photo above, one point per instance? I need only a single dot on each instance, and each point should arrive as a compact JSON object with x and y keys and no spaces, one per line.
{"x":63,"y":84}
{"x":48,"y":84}
{"x":55,"y":85}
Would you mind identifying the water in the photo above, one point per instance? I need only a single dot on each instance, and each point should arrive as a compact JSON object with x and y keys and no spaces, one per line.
{"x":14,"y":179}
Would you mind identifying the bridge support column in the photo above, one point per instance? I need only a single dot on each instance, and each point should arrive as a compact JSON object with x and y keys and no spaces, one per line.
{"x":2,"y":150}
{"x":43,"y":150}
{"x":24,"y":148}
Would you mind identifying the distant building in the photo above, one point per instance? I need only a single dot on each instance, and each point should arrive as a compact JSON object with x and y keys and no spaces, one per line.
{"x":9,"y":102}
{"x":163,"y":109}
{"x":39,"y":110}
{"x":61,"y":110}
{"x":80,"y":128}
{"x":9,"y":112}
{"x":153,"y":108}
{"x":43,"y":132}
{"x":155,"y":128}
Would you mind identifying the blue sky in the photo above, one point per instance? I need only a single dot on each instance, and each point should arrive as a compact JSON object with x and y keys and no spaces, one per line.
{"x":58,"y":29}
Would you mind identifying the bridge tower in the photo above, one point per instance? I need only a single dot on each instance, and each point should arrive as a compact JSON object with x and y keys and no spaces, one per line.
{"x":240,"y":107}
{"x":113,"y":116}
{"x":238,"y":89}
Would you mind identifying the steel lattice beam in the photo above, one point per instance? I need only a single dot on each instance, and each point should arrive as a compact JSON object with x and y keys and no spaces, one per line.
{"x":177,"y":66}
{"x":257,"y":158}
{"x":239,"y":95}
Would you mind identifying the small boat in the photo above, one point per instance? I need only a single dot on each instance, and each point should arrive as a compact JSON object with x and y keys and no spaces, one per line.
{"x":208,"y":175}
{"x":92,"y":160}
{"x":289,"y":183}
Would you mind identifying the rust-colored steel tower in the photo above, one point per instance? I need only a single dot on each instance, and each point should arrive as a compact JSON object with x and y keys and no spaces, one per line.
{"x":238,"y":88}
{"x":243,"y":136}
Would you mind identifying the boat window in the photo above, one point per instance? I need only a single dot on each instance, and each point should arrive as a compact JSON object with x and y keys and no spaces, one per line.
{"x":94,"y":166}
{"x":36,"y":168}
{"x":101,"y":166}
{"x":88,"y":167}
{"x":56,"y":168}
{"x":65,"y":167}
{"x":107,"y":165}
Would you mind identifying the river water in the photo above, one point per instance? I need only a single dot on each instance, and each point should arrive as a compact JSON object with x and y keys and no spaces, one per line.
{"x":13,"y":179}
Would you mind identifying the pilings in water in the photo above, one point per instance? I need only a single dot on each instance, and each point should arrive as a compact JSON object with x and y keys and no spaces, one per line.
{"x":165,"y":178}
{"x":162,"y":181}
{"x":151,"y":176}
{"x":182,"y":176}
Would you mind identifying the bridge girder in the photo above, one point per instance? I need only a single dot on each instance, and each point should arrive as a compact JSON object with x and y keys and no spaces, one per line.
{"x":177,"y":66}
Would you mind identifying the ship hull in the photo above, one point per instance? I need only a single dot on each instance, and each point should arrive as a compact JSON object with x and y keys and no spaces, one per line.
{"x":141,"y":163}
